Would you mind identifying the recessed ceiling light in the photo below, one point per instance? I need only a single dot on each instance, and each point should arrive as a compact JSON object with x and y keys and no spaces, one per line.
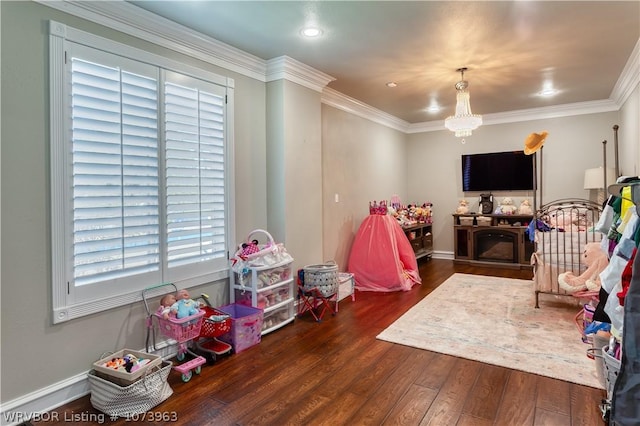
{"x":548,"y":90}
{"x":433,"y":107}
{"x":547,"y":93}
{"x":392,"y":84}
{"x":311,"y":32}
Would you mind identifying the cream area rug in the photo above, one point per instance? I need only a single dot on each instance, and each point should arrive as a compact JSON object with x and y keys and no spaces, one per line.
{"x":493,"y":320}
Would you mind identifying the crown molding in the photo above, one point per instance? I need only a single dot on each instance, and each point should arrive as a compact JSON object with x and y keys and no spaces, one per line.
{"x":627,"y":82}
{"x":129,"y":19}
{"x":343,"y":102}
{"x":629,"y":78}
{"x":338,"y":100}
{"x":556,"y":111}
{"x":134,"y":21}
{"x":284,"y":67}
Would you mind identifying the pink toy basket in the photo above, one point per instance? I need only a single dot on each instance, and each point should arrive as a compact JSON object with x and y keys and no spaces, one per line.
{"x":181,"y":330}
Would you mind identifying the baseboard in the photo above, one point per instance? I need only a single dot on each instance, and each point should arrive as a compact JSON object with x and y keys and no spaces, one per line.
{"x":446,"y":255}
{"x":35,"y":404}
{"x":39,"y":405}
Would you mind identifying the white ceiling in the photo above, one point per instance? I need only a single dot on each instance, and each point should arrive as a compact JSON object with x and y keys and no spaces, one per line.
{"x":510,"y":47}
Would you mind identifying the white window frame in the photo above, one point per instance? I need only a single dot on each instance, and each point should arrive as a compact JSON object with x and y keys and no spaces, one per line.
{"x":66,"y":304}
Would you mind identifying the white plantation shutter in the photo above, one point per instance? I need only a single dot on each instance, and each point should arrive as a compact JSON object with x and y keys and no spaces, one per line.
{"x":140,"y":161}
{"x":115,"y":172}
{"x":195,"y":182}
{"x":194,"y":173}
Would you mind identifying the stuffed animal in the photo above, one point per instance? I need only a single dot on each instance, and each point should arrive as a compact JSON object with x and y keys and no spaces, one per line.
{"x":428,"y":210}
{"x":185,"y":306}
{"x":463,"y":207}
{"x":559,"y":221}
{"x":506,"y":206}
{"x":566,"y":222}
{"x":418,"y":213}
{"x":250,"y":248}
{"x":525,"y":207}
{"x":596,"y":260}
{"x":392,"y":211}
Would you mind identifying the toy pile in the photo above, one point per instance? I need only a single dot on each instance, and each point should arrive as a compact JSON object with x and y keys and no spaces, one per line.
{"x":406,"y":215}
{"x":129,"y":363}
{"x":413,"y":214}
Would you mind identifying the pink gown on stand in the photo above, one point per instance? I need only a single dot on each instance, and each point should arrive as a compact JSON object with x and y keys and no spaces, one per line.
{"x":382,"y":258}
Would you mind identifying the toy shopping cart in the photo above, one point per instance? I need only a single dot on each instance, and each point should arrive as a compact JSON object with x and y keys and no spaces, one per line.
{"x":181,"y":330}
{"x":215,"y":324}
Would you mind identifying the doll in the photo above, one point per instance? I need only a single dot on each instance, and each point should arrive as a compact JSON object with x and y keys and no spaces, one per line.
{"x":165,"y":305}
{"x":184,"y":306}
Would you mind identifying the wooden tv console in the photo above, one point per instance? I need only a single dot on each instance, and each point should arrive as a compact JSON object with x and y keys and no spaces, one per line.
{"x":493,"y":240}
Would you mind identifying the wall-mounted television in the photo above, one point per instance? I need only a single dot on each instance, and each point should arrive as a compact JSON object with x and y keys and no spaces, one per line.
{"x":498,"y":171}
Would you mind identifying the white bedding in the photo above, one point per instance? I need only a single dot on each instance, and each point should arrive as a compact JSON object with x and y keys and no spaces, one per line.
{"x":567,"y":244}
{"x":558,"y":252}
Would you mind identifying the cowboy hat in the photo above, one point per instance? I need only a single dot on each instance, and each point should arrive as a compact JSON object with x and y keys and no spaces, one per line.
{"x":629,"y":191}
{"x":534,"y":142}
{"x":616,"y":188}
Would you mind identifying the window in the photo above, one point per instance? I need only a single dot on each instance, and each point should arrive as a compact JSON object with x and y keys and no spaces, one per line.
{"x":139,"y":170}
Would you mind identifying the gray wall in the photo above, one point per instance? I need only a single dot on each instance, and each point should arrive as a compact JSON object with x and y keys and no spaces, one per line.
{"x":629,"y":135}
{"x":294,"y":172}
{"x":362,"y":161}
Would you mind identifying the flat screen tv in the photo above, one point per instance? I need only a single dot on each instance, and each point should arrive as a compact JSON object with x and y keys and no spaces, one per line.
{"x":497,"y":171}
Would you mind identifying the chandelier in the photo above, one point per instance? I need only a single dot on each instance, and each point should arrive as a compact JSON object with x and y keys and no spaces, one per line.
{"x":463,"y":122}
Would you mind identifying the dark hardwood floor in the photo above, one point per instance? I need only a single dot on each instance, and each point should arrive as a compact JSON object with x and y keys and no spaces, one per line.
{"x":335,"y":372}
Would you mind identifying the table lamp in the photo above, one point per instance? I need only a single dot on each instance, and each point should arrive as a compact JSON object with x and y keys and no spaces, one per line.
{"x":594,"y":181}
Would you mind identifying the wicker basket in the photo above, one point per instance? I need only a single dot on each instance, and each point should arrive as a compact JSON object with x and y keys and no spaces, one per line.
{"x":466,"y":221}
{"x":139,"y":397}
{"x":483,"y":221}
{"x":323,"y":277}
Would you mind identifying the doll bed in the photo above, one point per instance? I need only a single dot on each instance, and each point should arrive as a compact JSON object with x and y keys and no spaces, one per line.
{"x":562,"y":229}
